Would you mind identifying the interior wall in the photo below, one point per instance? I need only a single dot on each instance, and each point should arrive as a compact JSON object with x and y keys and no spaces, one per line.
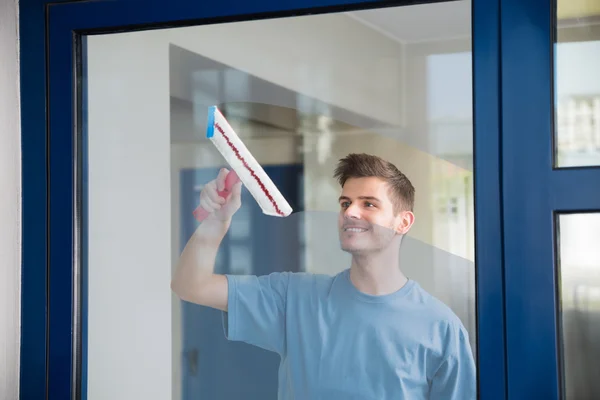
{"x":321,"y":65}
{"x":129,"y":217}
{"x":10,"y":202}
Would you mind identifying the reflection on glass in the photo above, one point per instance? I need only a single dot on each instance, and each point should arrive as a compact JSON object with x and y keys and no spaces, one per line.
{"x":577,"y":87}
{"x":387,"y":82}
{"x":579,"y":259}
{"x":242,"y":227}
{"x":241,"y":260}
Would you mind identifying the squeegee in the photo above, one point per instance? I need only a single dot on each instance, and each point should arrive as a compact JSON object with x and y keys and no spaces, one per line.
{"x":244,"y":167}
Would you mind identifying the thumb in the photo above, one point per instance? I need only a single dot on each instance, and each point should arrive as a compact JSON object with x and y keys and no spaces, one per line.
{"x":237,"y":189}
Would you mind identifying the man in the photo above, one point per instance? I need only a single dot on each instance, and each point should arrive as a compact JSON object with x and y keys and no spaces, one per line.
{"x":367,"y":333}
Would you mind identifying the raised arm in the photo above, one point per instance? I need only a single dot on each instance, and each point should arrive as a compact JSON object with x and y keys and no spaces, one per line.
{"x":194,"y":279}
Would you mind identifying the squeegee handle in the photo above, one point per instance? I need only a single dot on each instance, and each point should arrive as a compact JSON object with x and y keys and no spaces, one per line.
{"x":230,"y":180}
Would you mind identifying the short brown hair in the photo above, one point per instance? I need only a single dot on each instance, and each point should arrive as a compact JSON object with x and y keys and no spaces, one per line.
{"x":365,"y":165}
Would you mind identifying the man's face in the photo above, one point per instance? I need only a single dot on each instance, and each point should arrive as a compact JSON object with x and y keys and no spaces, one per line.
{"x":367,"y":221}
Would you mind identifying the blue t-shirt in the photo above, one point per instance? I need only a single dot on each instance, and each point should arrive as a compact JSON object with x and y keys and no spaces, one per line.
{"x":336,"y":342}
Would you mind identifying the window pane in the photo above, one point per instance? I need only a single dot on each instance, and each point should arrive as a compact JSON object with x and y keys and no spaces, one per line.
{"x":241,"y":259}
{"x":302,"y":93}
{"x":579,"y":258}
{"x":577,"y":87}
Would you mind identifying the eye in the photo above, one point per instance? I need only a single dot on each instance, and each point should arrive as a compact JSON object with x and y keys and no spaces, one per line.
{"x":368,"y":204}
{"x":345,"y":204}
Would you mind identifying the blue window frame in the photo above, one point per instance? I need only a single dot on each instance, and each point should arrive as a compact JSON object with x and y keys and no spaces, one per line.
{"x":53,"y":336}
{"x":534,"y":191}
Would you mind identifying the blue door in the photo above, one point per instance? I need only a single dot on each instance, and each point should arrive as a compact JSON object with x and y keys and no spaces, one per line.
{"x":97,"y":206}
{"x":258,"y":245}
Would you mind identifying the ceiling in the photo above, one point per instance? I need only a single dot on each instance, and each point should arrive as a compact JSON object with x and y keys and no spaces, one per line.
{"x":418,"y":23}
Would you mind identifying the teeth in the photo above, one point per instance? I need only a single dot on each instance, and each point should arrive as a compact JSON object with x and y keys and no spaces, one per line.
{"x":354,"y":230}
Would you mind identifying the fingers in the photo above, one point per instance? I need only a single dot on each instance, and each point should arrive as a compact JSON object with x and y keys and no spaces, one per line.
{"x":210,"y":199}
{"x":210,"y":191}
{"x":220,"y":180}
{"x":209,"y":205}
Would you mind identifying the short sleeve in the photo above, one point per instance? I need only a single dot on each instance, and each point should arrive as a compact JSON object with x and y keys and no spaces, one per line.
{"x":456,"y":377}
{"x":256,"y":310}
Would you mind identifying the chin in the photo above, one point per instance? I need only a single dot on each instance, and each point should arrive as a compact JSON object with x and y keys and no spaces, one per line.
{"x":355,"y":248}
{"x":350,"y":250}
{"x":363,"y":246}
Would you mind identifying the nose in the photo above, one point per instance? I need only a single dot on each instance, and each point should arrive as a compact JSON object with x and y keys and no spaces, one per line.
{"x":352,"y":212}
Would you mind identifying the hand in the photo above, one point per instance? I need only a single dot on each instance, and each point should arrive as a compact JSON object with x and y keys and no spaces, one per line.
{"x":221,"y":208}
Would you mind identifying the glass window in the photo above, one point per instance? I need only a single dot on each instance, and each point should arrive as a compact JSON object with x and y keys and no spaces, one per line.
{"x":577,"y":87}
{"x":302,"y":93}
{"x":579,"y":260}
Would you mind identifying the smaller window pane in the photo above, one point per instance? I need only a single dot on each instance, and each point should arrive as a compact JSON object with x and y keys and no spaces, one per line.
{"x":579,"y":259}
{"x":577,"y":87}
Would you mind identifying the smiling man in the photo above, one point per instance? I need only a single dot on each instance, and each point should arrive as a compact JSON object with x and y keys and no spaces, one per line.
{"x":367,"y":333}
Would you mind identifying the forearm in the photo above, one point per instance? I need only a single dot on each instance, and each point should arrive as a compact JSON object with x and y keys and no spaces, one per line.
{"x":196,"y":265}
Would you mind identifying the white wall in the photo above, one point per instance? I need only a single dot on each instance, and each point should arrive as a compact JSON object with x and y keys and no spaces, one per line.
{"x":329,"y":57}
{"x":129,"y":320}
{"x":10,"y":202}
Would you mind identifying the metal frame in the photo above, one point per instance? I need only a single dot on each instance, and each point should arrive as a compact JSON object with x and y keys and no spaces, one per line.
{"x":53,"y":82}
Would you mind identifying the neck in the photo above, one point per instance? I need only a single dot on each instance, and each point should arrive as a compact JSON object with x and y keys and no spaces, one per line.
{"x":377,"y":274}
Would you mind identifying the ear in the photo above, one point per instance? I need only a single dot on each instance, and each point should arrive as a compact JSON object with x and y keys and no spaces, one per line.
{"x":405,"y":221}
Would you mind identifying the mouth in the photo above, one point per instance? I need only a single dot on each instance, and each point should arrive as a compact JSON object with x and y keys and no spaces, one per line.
{"x":355,"y":230}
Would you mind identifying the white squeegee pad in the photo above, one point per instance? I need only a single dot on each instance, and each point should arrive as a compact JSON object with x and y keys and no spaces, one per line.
{"x":252,"y":175}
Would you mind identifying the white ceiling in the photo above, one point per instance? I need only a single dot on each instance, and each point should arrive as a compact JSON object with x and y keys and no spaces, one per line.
{"x":423,"y":22}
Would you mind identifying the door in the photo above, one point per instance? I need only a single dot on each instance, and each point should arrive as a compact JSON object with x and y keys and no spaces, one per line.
{"x":257,"y":245}
{"x":304,"y":84}
{"x":550,"y":130}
